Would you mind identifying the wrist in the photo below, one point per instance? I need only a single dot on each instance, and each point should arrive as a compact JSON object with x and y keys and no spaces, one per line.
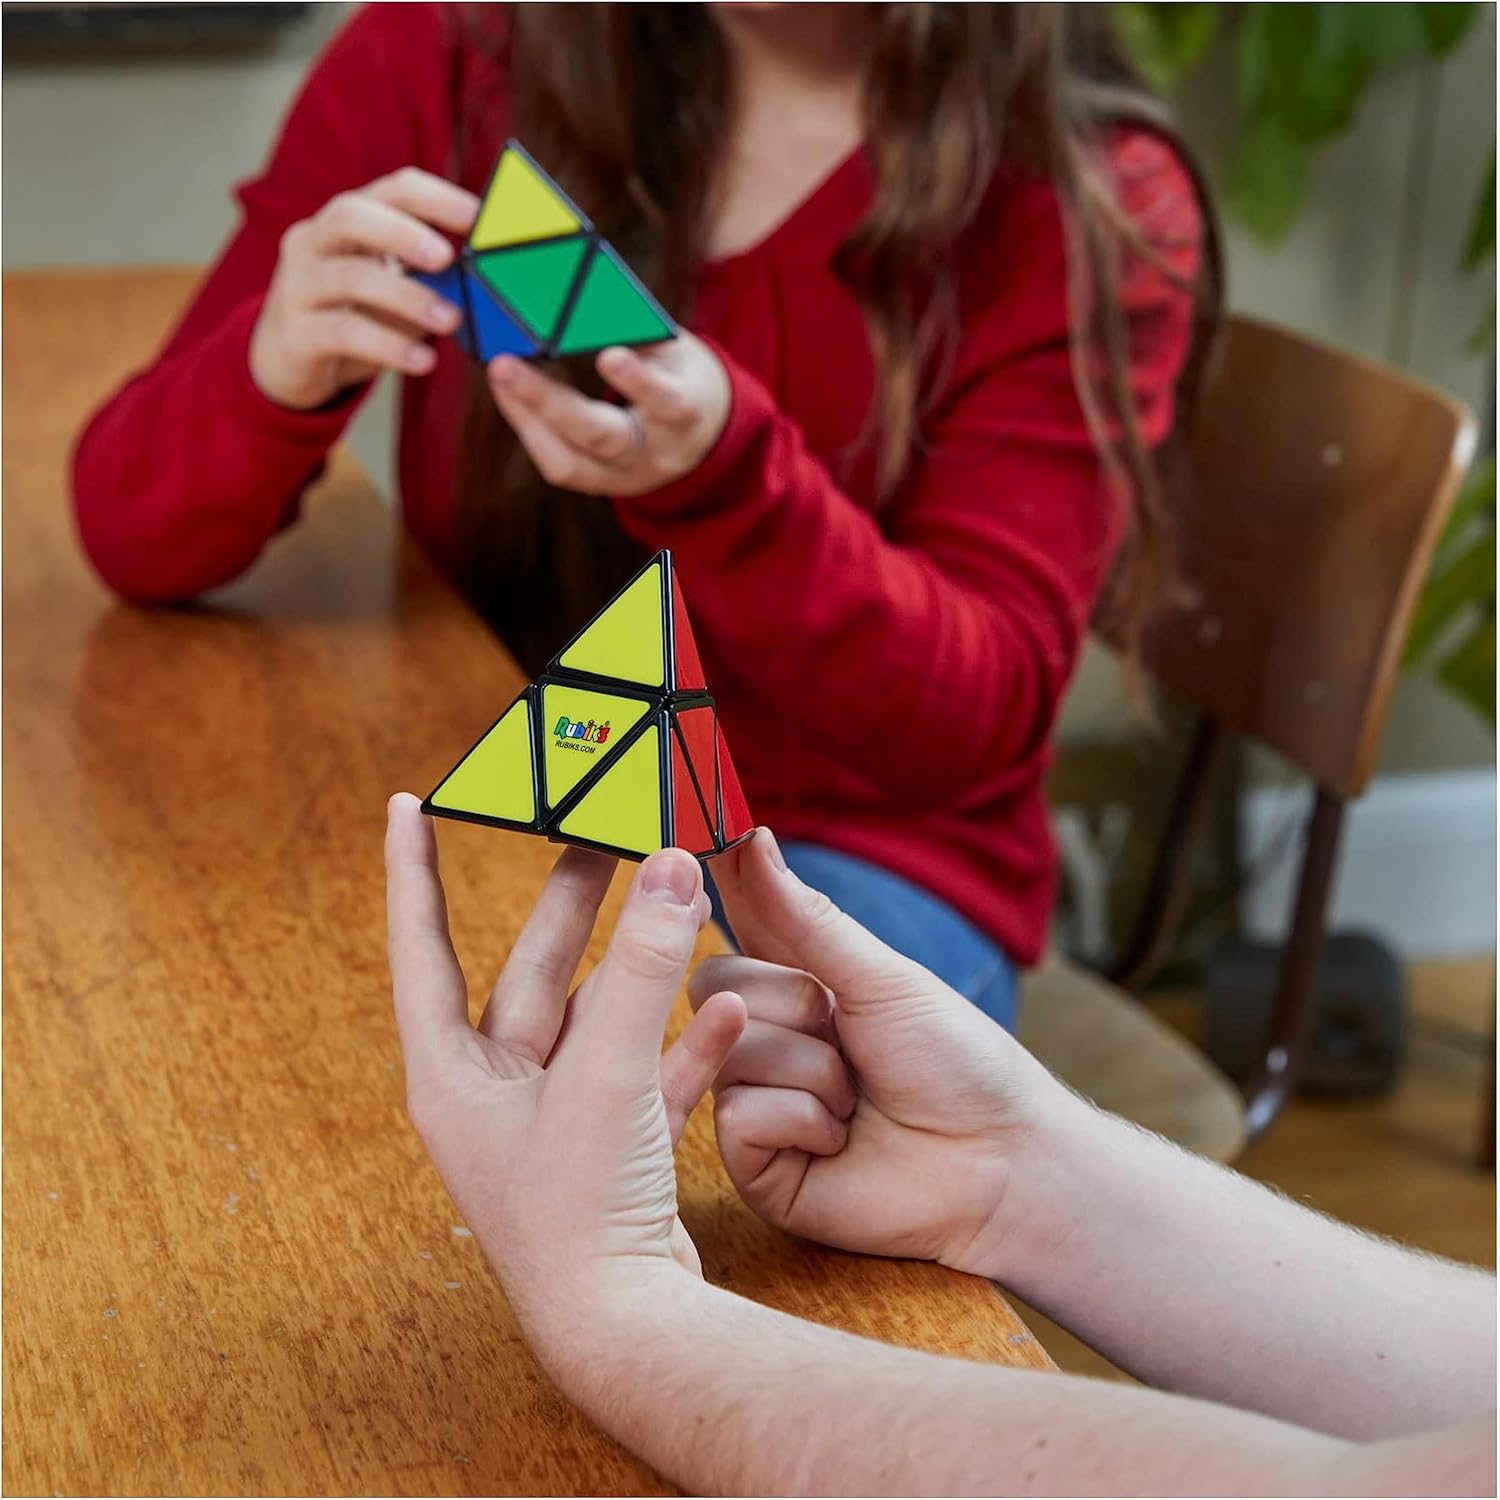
{"x":1049,"y":1176}
{"x":584,"y":1327}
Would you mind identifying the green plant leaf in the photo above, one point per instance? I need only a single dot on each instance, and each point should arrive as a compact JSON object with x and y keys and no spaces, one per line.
{"x":1253,"y":55}
{"x":1465,"y":582}
{"x":1479,"y":241}
{"x":1303,"y":65}
{"x":1445,"y":26}
{"x":1166,"y":41}
{"x":1482,"y":339}
{"x":1469,"y":669}
{"x":1381,"y":35}
{"x":1287,"y":36}
{"x":1475,"y":504}
{"x":1321,"y":94}
{"x":1462,"y":575}
{"x":1266,"y":179}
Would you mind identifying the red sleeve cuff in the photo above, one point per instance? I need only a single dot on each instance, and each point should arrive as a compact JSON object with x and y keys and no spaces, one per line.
{"x":316,"y":430}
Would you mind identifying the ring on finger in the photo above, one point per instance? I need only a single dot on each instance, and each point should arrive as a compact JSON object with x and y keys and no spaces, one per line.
{"x":637,"y":437}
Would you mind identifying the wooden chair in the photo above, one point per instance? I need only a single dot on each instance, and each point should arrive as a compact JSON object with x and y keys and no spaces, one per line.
{"x":1319,"y":483}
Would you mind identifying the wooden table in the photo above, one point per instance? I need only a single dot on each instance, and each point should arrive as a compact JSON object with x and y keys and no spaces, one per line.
{"x":228,"y":1266}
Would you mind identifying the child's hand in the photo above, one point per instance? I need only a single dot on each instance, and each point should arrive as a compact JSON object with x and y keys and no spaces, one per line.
{"x":339,"y":308}
{"x":552,"y":1122}
{"x":679,"y":400}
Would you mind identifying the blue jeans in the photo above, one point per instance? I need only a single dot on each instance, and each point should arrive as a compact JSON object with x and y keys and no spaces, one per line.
{"x":912,"y":921}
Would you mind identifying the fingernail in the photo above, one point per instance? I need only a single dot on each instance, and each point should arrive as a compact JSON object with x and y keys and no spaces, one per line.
{"x":773,"y":849}
{"x":443,"y":316}
{"x":437,"y":252}
{"x":672,"y":876}
{"x":420,"y":360}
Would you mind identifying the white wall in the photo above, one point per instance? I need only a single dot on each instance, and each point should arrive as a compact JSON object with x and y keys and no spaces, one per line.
{"x":129,"y":160}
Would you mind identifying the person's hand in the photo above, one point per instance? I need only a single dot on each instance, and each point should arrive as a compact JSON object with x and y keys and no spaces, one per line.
{"x":677,"y":396}
{"x":867,"y":1105}
{"x":339,"y":309}
{"x":552,"y":1122}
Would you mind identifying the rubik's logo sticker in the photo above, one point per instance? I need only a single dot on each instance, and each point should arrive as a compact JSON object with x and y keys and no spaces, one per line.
{"x":536,"y":280}
{"x":616,"y":746}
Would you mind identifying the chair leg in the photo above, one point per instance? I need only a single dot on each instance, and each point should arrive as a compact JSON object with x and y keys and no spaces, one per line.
{"x":1292,"y":1011}
{"x":1485,"y":1146}
{"x":1171,"y":877}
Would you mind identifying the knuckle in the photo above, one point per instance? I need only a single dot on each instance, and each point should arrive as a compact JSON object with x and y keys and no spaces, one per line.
{"x":809,"y":999}
{"x":336,"y":212}
{"x":344,"y":278}
{"x":727,"y":1111}
{"x":344,"y":330}
{"x":809,"y":1112}
{"x":830,"y":1072}
{"x":293,"y":239}
{"x":704,"y":980}
{"x":562,"y":472}
{"x":609,"y":446}
{"x":653,"y":956}
{"x":547,"y":970}
{"x":820,"y":913}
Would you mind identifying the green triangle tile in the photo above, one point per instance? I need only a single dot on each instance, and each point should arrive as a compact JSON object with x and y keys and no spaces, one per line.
{"x":612,"y":308}
{"x":534,"y":279}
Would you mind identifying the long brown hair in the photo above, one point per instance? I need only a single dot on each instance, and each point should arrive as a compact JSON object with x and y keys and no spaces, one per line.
{"x":628,"y":106}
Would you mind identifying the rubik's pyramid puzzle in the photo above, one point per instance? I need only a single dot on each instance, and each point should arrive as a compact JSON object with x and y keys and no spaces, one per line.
{"x":536,"y":280}
{"x":616,"y":746}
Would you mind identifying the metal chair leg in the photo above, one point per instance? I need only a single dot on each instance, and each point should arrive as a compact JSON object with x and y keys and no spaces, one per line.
{"x":1485,"y":1146}
{"x":1290,"y":1026}
{"x":1171,"y":877}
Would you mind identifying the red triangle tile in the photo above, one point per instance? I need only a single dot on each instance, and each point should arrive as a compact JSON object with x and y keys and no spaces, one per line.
{"x":696,"y":726}
{"x":736,"y":811}
{"x":691,"y":829}
{"x":688,"y":669}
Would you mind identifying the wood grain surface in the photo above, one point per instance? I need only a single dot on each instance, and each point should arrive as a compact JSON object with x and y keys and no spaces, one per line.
{"x":228,"y":1267}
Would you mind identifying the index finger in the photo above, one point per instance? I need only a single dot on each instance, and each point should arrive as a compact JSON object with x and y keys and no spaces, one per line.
{"x":527,"y":1005}
{"x":425,"y":196}
{"x":772,"y":992}
{"x":427,"y":983}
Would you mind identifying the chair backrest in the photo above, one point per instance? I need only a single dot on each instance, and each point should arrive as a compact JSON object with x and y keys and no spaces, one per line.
{"x":1318,"y":486}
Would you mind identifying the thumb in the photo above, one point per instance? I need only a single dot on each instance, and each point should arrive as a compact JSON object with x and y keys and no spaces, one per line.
{"x":621,"y":1010}
{"x":778,"y":918}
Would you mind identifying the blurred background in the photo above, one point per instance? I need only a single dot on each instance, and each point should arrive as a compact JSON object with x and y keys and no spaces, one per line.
{"x":1352,"y":149}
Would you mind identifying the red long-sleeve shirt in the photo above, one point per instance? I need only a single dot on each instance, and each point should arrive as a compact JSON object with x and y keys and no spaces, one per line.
{"x":887,"y":681}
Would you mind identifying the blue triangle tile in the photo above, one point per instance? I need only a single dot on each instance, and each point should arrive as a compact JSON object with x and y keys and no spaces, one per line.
{"x":448,"y":284}
{"x":495,"y":331}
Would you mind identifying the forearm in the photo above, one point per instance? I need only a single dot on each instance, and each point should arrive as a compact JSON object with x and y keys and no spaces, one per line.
{"x":185,"y":475}
{"x":726,"y":1396}
{"x":1198,"y":1280}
